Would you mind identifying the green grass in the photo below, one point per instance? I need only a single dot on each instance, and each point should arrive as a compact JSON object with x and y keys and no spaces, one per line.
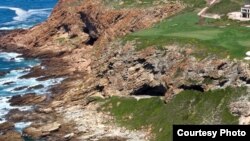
{"x":147,"y":3}
{"x":188,"y":107}
{"x":226,"y":6}
{"x":207,"y":39}
{"x":200,"y":34}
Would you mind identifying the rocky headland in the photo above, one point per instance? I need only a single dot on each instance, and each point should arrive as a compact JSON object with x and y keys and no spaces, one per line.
{"x":79,"y":42}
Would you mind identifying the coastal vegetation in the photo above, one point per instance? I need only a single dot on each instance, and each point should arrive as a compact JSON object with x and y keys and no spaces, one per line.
{"x":118,"y":4}
{"x":188,"y":107}
{"x":226,"y":6}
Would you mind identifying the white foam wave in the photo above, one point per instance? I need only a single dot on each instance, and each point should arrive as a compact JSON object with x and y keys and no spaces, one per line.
{"x":7,"y":28}
{"x":14,"y":76}
{"x":5,"y":107}
{"x":9,"y":55}
{"x":21,"y":125}
{"x":22,"y":26}
{"x":23,"y":15}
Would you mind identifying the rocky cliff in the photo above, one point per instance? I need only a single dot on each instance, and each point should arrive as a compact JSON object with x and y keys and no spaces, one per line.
{"x":79,"y":42}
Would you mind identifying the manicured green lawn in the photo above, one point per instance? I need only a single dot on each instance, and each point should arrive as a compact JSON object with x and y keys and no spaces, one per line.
{"x":188,"y":107}
{"x":207,"y":39}
{"x":146,"y":3}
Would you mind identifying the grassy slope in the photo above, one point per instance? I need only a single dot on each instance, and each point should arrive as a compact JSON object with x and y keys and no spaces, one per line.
{"x":226,"y":6}
{"x":208,"y":39}
{"x":146,"y":3}
{"x":188,"y":107}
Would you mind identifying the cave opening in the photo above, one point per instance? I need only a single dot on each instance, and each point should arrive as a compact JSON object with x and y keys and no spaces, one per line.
{"x":146,"y":89}
{"x":99,"y":88}
{"x":89,"y":28}
{"x":91,"y":41}
{"x":192,"y":87}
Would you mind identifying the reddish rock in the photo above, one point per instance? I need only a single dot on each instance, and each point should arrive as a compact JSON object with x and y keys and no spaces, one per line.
{"x":33,"y":132}
{"x":6,"y":126}
{"x":15,"y":115}
{"x":11,"y":136}
{"x":27,"y":99}
{"x":45,"y":130}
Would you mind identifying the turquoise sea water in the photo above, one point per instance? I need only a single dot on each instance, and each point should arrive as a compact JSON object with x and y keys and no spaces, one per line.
{"x":24,"y":13}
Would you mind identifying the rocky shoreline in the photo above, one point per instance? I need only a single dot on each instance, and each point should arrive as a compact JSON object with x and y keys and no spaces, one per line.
{"x":77,"y":43}
{"x":62,"y":116}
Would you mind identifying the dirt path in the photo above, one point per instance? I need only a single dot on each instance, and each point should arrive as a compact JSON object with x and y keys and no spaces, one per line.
{"x":203,"y":11}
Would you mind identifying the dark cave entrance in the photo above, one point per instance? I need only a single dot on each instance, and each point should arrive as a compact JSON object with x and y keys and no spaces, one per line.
{"x":192,"y":87}
{"x":158,"y":90}
{"x":90,"y":29}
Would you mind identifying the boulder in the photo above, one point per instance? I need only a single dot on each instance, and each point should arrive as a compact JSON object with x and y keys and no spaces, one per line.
{"x":15,"y":115}
{"x":2,"y":73}
{"x":20,"y":88}
{"x":11,"y":136}
{"x":44,"y":110}
{"x":6,"y":126}
{"x":36,"y":87}
{"x":45,"y":130}
{"x":33,"y":132}
{"x":8,"y":83}
{"x":241,"y":108}
{"x":50,"y":127}
{"x":69,"y":136}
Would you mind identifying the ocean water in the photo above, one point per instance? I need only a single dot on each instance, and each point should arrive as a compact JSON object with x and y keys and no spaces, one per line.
{"x":24,"y":13}
{"x":13,"y":68}
{"x":16,"y":14}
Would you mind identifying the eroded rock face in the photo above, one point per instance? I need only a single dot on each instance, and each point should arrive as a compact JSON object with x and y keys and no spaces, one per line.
{"x":11,"y":136}
{"x":165,"y":72}
{"x":27,"y":99}
{"x":33,"y":132}
{"x":7,"y":132}
{"x":6,"y":126}
{"x":45,"y":130}
{"x":15,"y":115}
{"x":241,"y":108}
{"x":82,"y":23}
